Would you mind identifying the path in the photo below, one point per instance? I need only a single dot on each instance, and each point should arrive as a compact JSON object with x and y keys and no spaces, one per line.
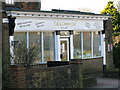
{"x":107,"y":83}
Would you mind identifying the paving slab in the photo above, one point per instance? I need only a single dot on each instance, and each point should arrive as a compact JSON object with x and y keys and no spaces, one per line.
{"x":103,"y":82}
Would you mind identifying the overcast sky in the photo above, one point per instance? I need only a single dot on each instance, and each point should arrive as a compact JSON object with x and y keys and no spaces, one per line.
{"x":95,"y":5}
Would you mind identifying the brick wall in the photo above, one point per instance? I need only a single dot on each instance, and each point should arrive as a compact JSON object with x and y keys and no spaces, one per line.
{"x":17,"y":76}
{"x":5,"y":52}
{"x":92,"y":66}
{"x":67,"y":76}
{"x":108,"y":38}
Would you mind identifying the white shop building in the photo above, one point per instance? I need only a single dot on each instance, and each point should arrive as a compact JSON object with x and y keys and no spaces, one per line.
{"x":61,"y":35}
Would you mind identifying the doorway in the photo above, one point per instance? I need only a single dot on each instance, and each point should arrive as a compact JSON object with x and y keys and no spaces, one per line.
{"x":64,"y":49}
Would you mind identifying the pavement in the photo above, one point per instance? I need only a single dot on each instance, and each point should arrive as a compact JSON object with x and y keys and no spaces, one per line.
{"x":103,"y":82}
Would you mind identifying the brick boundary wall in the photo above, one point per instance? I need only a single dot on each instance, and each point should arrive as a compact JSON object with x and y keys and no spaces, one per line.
{"x":67,"y":76}
{"x":91,"y":66}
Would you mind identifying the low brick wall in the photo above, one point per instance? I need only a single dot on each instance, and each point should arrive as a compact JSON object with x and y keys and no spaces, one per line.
{"x":17,"y":76}
{"x":67,"y":76}
{"x":91,"y":66}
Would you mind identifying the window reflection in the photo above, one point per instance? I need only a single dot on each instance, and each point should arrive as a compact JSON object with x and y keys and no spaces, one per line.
{"x":64,"y":33}
{"x":96,"y":44}
{"x":48,"y":40}
{"x":77,"y":44}
{"x":87,"y":45}
{"x":35,"y":41}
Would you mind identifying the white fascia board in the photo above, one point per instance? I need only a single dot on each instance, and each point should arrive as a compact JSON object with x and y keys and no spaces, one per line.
{"x":55,"y":15}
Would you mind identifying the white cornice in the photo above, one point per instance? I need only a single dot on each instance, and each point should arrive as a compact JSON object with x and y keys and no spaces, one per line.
{"x":55,"y":15}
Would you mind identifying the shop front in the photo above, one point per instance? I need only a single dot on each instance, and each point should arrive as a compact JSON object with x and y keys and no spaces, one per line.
{"x":60,"y":35}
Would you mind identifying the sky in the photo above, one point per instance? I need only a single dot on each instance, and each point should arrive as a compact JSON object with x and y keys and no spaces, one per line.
{"x":94,"y":5}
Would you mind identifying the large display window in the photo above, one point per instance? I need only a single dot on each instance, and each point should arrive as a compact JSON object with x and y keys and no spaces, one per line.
{"x":48,"y":39}
{"x":77,"y":45}
{"x":87,"y":50}
{"x":87,"y":44}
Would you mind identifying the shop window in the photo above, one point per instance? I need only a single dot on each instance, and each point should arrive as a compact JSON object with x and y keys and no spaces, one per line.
{"x":20,"y":38}
{"x":35,"y":43}
{"x":48,"y":44}
{"x":96,"y":44}
{"x":77,"y":45}
{"x":87,"y":45}
{"x":19,"y":44}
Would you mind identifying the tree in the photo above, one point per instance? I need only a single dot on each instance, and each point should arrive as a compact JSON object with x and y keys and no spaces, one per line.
{"x":110,"y":9}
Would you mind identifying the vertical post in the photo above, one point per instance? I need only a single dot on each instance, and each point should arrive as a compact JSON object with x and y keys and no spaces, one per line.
{"x":92,"y":43}
{"x":0,"y":47}
{"x":82,"y":44}
{"x":42,"y":47}
{"x":28,"y":40}
{"x":71,"y":45}
{"x":103,"y":50}
{"x":104,"y":53}
{"x":57,"y":46}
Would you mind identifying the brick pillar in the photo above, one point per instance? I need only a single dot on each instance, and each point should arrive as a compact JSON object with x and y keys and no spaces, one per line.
{"x":17,"y":76}
{"x":5,"y":52}
{"x":109,"y":41}
{"x":78,"y":62}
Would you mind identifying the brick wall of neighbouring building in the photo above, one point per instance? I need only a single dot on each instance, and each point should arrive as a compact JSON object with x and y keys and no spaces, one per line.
{"x":0,"y":46}
{"x":5,"y":52}
{"x":109,"y":40}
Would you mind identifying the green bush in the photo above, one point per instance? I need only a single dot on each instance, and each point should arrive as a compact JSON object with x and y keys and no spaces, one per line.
{"x":23,"y":55}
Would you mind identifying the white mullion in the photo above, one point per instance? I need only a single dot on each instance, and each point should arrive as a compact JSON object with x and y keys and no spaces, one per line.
{"x":71,"y":47}
{"x":58,"y":47}
{"x":102,"y":44}
{"x":28,"y":40}
{"x":55,"y":48}
{"x":82,"y":44}
{"x":68,"y":49}
{"x":92,"y":43}
{"x":104,"y":48}
{"x":42,"y":47}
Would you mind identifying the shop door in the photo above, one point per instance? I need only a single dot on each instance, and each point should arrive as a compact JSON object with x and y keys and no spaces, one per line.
{"x":64,"y":49}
